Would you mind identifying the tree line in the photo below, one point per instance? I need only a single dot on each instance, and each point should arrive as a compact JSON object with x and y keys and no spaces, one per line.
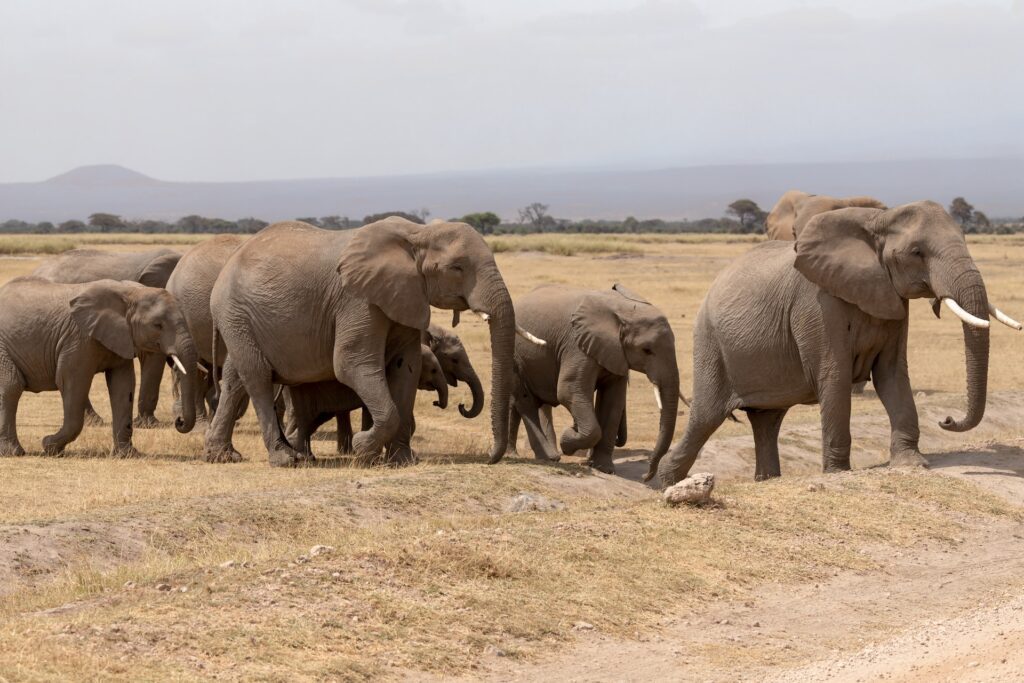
{"x":743,"y":216}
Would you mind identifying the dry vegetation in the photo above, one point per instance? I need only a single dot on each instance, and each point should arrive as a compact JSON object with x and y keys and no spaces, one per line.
{"x":427,"y":571}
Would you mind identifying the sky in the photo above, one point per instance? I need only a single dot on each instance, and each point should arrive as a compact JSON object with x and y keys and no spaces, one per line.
{"x":253,"y":89}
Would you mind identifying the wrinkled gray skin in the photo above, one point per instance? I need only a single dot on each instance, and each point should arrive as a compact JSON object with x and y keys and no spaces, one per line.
{"x":296,"y":305}
{"x":150,"y":268}
{"x":191,"y":283}
{"x":449,"y":353}
{"x":594,"y":338}
{"x":308,"y":406}
{"x":58,"y":336}
{"x":783,"y":326}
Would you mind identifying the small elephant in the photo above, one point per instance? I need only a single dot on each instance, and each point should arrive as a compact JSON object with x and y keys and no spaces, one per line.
{"x":58,"y":336}
{"x":594,"y":339}
{"x":308,"y":406}
{"x":150,"y":268}
{"x":788,"y":324}
{"x":191,"y":283}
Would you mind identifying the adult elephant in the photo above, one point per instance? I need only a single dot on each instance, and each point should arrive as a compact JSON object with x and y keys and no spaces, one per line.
{"x":595,"y":339}
{"x":791,"y":213}
{"x":58,"y":337}
{"x":191,"y":283}
{"x":150,"y":268}
{"x":783,"y":326}
{"x":308,"y":406}
{"x":296,"y":304}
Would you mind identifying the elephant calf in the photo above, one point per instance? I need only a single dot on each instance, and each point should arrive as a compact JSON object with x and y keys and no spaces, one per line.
{"x":594,"y":339}
{"x":58,"y":336}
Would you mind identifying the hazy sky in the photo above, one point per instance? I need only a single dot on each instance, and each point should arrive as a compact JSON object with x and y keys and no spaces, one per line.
{"x":250,"y":89}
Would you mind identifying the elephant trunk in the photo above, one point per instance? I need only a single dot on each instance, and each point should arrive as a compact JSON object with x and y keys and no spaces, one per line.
{"x":442,"y":393}
{"x":185,"y":351}
{"x":477,"y":389}
{"x":668,"y":391}
{"x":968,"y":290}
{"x":490,"y":296}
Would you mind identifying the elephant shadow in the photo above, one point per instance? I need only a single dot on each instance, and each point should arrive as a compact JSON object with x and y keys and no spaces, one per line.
{"x":632,"y":464}
{"x":991,"y":460}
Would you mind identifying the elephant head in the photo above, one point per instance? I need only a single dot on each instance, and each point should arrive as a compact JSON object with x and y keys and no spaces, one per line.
{"x":878,"y":259}
{"x":432,"y":377}
{"x":404,"y":268}
{"x":128,"y":318}
{"x":791,"y":213}
{"x":158,"y":269}
{"x":623,"y":332}
{"x":454,"y":360}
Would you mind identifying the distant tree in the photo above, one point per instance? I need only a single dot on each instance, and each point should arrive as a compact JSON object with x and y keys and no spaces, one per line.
{"x":485,"y":222}
{"x":191,"y":223}
{"x":962,"y":211}
{"x":44,"y":228}
{"x":335,"y":222}
{"x":536,"y":214}
{"x":312,"y":220}
{"x":374,"y":217}
{"x":422,"y":213}
{"x":71,"y":226}
{"x":748,"y":213}
{"x":631,"y":224}
{"x":250,"y":225}
{"x":980,"y":222}
{"x":106,"y":222}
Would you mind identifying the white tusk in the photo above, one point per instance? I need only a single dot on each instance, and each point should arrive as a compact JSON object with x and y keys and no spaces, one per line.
{"x":177,"y":364}
{"x":483,"y":316}
{"x":529,"y":337}
{"x":657,"y":397}
{"x":203,"y":371}
{"x":971,"y":320}
{"x":1004,"y":319}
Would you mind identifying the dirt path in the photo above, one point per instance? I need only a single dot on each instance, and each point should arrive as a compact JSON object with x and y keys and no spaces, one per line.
{"x":932,"y":614}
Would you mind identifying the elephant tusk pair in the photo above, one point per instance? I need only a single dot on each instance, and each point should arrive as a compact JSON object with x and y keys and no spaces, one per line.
{"x":975,"y":321}
{"x":177,"y":364}
{"x":520,"y":331}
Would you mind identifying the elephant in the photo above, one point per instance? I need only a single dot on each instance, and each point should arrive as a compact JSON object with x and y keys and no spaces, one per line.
{"x":449,"y":353}
{"x":799,"y":323}
{"x":56,"y":336}
{"x":297,"y":304}
{"x":150,"y":268}
{"x":795,"y":208}
{"x":594,"y":339}
{"x":308,"y":406}
{"x":191,"y":283}
{"x":791,"y":213}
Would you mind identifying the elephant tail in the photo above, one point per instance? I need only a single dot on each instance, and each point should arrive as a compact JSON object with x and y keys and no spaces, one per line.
{"x":213,"y":369}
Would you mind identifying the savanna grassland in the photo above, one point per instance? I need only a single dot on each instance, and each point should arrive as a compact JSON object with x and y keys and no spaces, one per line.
{"x":166,"y":567}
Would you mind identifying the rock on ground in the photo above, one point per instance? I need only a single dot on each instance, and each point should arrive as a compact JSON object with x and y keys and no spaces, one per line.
{"x":533,"y":502}
{"x":694,"y":490}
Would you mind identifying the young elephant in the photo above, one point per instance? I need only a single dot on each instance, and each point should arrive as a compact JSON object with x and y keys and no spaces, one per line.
{"x":308,"y":406}
{"x":594,"y":339}
{"x":58,"y":336}
{"x":783,"y":326}
{"x":151,"y":268}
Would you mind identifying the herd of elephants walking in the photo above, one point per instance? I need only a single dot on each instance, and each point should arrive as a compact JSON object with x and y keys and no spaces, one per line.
{"x":309,"y":325}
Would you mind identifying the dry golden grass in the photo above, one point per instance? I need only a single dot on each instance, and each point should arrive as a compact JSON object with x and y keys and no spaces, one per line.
{"x":425,"y":574}
{"x":15,"y":245}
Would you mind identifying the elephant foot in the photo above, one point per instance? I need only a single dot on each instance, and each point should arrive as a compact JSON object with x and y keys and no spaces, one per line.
{"x":602,"y":465}
{"x":546,"y":457}
{"x":908,"y":459}
{"x":146,"y":422}
{"x":364,"y":445}
{"x":125,"y":452}
{"x":836,"y":466}
{"x":401,"y":457}
{"x":572,"y":442}
{"x":305,"y":459}
{"x":219,"y":454}
{"x":51,"y":446}
{"x":92,"y":419}
{"x":286,"y":457}
{"x":11,"y":448}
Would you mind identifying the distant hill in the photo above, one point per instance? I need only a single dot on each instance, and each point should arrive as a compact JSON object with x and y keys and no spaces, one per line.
{"x":996,"y":186}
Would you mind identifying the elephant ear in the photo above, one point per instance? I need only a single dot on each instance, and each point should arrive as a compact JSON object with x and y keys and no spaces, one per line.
{"x":629,"y":294}
{"x":159,"y":269}
{"x":102,"y":313}
{"x":597,"y":330}
{"x":379,"y":264}
{"x":837,"y":251}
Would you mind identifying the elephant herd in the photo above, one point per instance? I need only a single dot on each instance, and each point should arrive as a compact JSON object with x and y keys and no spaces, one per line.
{"x":309,"y":325}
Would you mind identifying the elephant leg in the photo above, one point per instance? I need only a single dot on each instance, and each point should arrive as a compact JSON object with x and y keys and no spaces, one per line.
{"x":364,"y":375}
{"x":858,"y":388}
{"x":834,"y":397}
{"x":548,"y":426}
{"x":528,"y":407}
{"x":578,"y":396}
{"x":74,"y":391}
{"x":343,"y":426}
{"x":611,"y":403}
{"x":403,"y":382}
{"x":620,"y":439}
{"x":152,"y":372}
{"x":218,"y":447}
{"x":365,"y":419}
{"x":120,"y":385}
{"x":256,"y":375}
{"x":892,"y":383}
{"x":766,"y":424}
{"x":12,"y":385}
{"x":92,"y":418}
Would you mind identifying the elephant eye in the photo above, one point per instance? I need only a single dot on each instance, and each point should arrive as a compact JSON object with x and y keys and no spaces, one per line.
{"x":159,"y":326}
{"x":648,"y":351}
{"x":916,"y":251}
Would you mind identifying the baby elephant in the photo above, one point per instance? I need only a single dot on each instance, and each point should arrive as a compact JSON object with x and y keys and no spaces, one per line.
{"x":308,"y":406}
{"x":58,"y":336}
{"x":594,"y":339}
